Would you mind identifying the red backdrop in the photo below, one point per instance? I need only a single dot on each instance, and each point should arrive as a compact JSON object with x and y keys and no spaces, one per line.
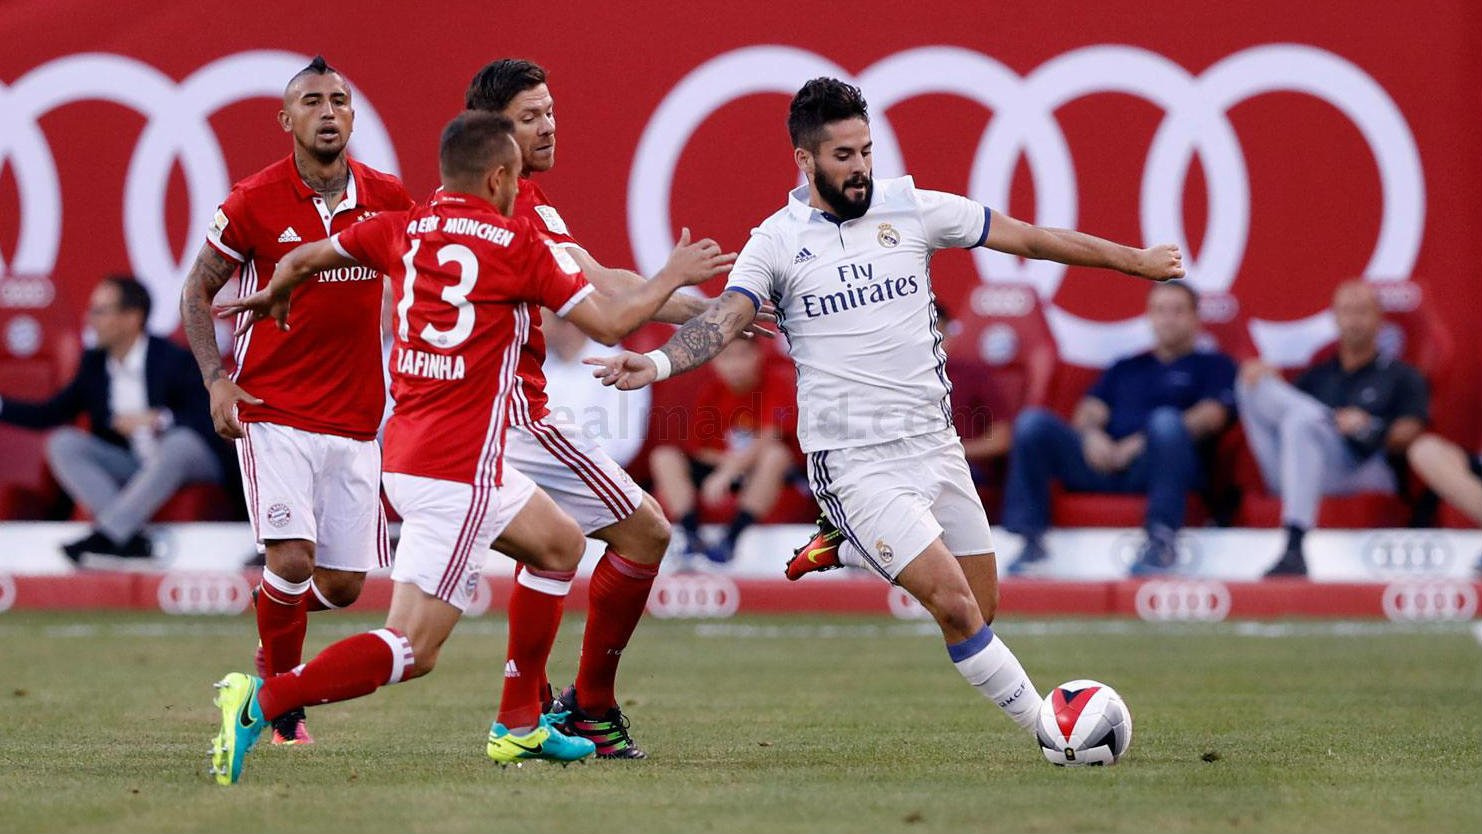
{"x":1315,"y":205}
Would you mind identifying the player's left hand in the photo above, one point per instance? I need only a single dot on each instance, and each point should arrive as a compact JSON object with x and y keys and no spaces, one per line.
{"x":766,"y":315}
{"x":1163,"y":262}
{"x":626,"y":371}
{"x":258,"y":306}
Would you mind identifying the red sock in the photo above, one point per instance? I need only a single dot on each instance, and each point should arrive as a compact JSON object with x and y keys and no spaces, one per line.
{"x":534,"y":617}
{"x":282,"y":619}
{"x":348,"y":669}
{"x":619,"y":592}
{"x":315,"y":602}
{"x":543,"y":682}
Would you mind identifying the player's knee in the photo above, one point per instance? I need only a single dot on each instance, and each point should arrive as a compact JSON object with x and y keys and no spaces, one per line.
{"x":653,"y":529}
{"x":291,"y":559}
{"x":339,"y":588}
{"x":561,"y":550}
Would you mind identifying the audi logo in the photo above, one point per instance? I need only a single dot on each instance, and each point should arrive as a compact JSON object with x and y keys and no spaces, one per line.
{"x":1429,"y":601}
{"x":1178,"y":601}
{"x":903,"y":606}
{"x":1405,"y":552}
{"x":1024,"y":124}
{"x":7,"y":592}
{"x":694,"y":596}
{"x":204,"y":593}
{"x":177,"y":129}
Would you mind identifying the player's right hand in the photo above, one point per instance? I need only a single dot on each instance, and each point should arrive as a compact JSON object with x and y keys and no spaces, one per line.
{"x":625,"y":371}
{"x":699,"y":261}
{"x":225,"y":394}
{"x":1163,"y":262}
{"x":258,"y":306}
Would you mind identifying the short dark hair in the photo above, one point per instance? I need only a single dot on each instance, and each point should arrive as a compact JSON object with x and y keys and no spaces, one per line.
{"x":318,"y":66}
{"x":1183,"y":287}
{"x":132,"y":294}
{"x":496,"y":85}
{"x":474,"y":142}
{"x":821,"y":102}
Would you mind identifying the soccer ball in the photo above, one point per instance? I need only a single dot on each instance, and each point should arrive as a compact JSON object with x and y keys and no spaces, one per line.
{"x":1084,"y":723}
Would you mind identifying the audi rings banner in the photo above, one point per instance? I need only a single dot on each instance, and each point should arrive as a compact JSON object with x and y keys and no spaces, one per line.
{"x":1284,"y":146}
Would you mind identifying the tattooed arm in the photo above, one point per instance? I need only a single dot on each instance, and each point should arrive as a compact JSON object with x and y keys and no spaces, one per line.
{"x":697,"y":342}
{"x":207,"y":276}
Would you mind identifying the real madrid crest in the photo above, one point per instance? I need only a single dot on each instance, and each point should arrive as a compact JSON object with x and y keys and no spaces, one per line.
{"x":886,"y":554}
{"x":888,"y":236}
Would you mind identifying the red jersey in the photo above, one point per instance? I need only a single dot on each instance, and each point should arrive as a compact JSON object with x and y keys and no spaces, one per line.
{"x":726,"y":420}
{"x":324,"y":375}
{"x":464,"y":278}
{"x":529,"y":403}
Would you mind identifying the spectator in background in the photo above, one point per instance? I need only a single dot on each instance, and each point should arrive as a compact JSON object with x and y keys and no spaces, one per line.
{"x":149,"y":418}
{"x":741,"y":440}
{"x":614,"y":419}
{"x":1329,"y":433}
{"x":979,"y":412}
{"x":1143,"y":427}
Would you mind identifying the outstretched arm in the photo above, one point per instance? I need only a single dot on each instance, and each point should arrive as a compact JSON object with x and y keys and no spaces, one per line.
{"x":678,"y":309}
{"x":296,"y":267}
{"x":691,"y":346}
{"x":1158,"y":263}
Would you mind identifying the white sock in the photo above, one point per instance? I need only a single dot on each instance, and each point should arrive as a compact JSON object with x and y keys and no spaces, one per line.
{"x":989,"y":667}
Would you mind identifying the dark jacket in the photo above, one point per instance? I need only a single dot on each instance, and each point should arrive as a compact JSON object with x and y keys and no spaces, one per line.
{"x":171,"y":382}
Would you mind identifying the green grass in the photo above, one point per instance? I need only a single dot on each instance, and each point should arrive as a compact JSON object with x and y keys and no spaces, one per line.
{"x":806,"y":725}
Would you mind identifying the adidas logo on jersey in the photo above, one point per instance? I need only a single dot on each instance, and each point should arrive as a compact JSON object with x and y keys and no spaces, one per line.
{"x":803,"y":257}
{"x":510,"y":669}
{"x":289,"y":236}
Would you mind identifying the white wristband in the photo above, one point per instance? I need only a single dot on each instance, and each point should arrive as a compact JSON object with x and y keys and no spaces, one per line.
{"x":661,"y":361}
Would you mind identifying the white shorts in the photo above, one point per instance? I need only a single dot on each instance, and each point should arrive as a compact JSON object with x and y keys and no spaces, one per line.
{"x":447,"y":528}
{"x":586,"y":483}
{"x":892,"y":500}
{"x":321,"y":488}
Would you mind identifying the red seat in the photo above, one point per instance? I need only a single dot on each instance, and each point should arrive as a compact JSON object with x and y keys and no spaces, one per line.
{"x":1455,"y":519}
{"x":192,"y":502}
{"x":1362,"y":511}
{"x":39,"y":352}
{"x":1007,"y":324}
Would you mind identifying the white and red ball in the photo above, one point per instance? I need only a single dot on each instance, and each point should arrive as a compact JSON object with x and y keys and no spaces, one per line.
{"x":1084,"y":723}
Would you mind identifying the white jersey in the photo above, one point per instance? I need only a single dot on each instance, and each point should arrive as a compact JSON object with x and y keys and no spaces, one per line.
{"x":854,"y":300}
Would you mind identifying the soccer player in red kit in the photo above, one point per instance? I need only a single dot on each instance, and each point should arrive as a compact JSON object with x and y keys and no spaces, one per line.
{"x":305,"y":434}
{"x":559,"y":456}
{"x":463,"y":275}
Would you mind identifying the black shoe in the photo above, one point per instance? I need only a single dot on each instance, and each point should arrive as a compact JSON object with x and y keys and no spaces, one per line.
{"x":137,"y":547}
{"x":608,"y":731}
{"x":93,"y":542}
{"x":1291,"y":563}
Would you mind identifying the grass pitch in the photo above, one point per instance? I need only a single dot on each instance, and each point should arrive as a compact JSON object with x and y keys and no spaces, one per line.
{"x":766,"y":725}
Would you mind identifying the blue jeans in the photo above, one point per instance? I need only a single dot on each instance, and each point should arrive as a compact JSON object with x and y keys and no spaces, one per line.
{"x":1045,"y":447}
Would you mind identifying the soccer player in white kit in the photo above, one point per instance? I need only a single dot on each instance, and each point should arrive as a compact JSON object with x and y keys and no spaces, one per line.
{"x":847,"y":264}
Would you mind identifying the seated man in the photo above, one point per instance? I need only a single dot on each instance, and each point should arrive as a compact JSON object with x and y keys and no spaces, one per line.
{"x":1329,"y":433}
{"x":1139,"y":429}
{"x":615,"y":419}
{"x":979,"y":412}
{"x":740,"y":440}
{"x":150,"y":424}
